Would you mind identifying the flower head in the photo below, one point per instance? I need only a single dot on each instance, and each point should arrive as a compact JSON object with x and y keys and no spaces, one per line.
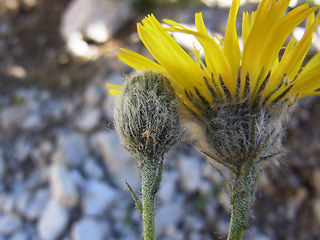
{"x":146,"y":116}
{"x":240,"y":97}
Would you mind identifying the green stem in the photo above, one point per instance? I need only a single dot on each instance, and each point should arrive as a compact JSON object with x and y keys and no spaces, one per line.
{"x":148,"y":173}
{"x":242,"y":199}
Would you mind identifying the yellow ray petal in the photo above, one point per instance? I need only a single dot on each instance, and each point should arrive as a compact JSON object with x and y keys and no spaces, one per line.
{"x":214,"y":57}
{"x":273,"y":40}
{"x":138,"y":61}
{"x":312,"y":64}
{"x":281,"y":32}
{"x":231,"y":42}
{"x":180,"y":66}
{"x":117,"y":86}
{"x":293,"y":56}
{"x":246,"y":26}
{"x":307,"y":84}
{"x":113,"y":89}
{"x":201,"y":27}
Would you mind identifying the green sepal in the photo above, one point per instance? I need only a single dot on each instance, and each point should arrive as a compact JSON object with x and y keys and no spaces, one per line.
{"x":135,"y":198}
{"x":158,"y":178}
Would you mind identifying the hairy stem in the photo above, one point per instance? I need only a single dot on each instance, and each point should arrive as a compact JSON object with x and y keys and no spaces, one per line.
{"x":148,"y":173}
{"x":242,"y":199}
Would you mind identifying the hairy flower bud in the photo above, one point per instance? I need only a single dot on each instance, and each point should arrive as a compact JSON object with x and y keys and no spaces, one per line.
{"x":146,"y":115}
{"x":235,"y":132}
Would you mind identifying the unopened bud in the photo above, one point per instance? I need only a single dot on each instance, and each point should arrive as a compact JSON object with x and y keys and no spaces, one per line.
{"x":146,"y":115}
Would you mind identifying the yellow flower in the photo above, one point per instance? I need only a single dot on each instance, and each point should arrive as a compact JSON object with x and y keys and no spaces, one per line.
{"x":267,"y":70}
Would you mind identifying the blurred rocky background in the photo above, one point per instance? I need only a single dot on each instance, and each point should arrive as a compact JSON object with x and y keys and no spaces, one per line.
{"x":62,"y":169}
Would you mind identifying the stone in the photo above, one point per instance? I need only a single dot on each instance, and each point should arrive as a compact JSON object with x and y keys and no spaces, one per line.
{"x":53,"y":221}
{"x":224,"y":199}
{"x":99,"y":19}
{"x":98,"y":197}
{"x":92,"y":169}
{"x":294,"y":203}
{"x":172,"y":232}
{"x":56,"y":109}
{"x":72,"y":150}
{"x":21,"y":235}
{"x":9,"y":224}
{"x":119,"y":210}
{"x":38,"y":202}
{"x":208,"y":172}
{"x":108,"y":103}
{"x":38,"y":176}
{"x":190,"y":172}
{"x":63,"y":188}
{"x":2,"y":165}
{"x":168,"y":189}
{"x":88,"y":229}
{"x":77,"y":177}
{"x":315,"y":180}
{"x":41,"y":152}
{"x":7,"y":202}
{"x":12,"y":118}
{"x":33,"y":122}
{"x":168,"y":215}
{"x":22,"y":202}
{"x":22,"y":148}
{"x":316,"y":208}
{"x":194,"y":223}
{"x":93,"y":95}
{"x":80,"y":48}
{"x":118,"y":161}
{"x":88,"y":119}
{"x":195,"y":236}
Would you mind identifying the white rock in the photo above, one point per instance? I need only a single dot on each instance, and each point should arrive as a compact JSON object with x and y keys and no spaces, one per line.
{"x":93,"y":95}
{"x":38,"y":177}
{"x":33,"y":122}
{"x":171,"y":232}
{"x":2,"y":165}
{"x":21,"y":235}
{"x":99,"y":18}
{"x":22,"y":148}
{"x":9,"y":224}
{"x":53,"y":221}
{"x":168,"y":187}
{"x":316,"y":207}
{"x":190,"y":172}
{"x":7,"y":202}
{"x":224,"y":199}
{"x":315,"y":180}
{"x":12,"y":118}
{"x":108,"y":103}
{"x":119,"y":210}
{"x":168,"y":215}
{"x":80,"y":48}
{"x":88,"y":229}
{"x":195,"y":236}
{"x":77,"y":177}
{"x":294,"y":204}
{"x":63,"y":188}
{"x":72,"y":150}
{"x":98,"y":32}
{"x":22,"y":202}
{"x":92,"y":169}
{"x":98,"y":196}
{"x":208,"y":172}
{"x":194,"y":223}
{"x":42,"y":152}
{"x":121,"y":165}
{"x":37,"y":204}
{"x":88,"y":119}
